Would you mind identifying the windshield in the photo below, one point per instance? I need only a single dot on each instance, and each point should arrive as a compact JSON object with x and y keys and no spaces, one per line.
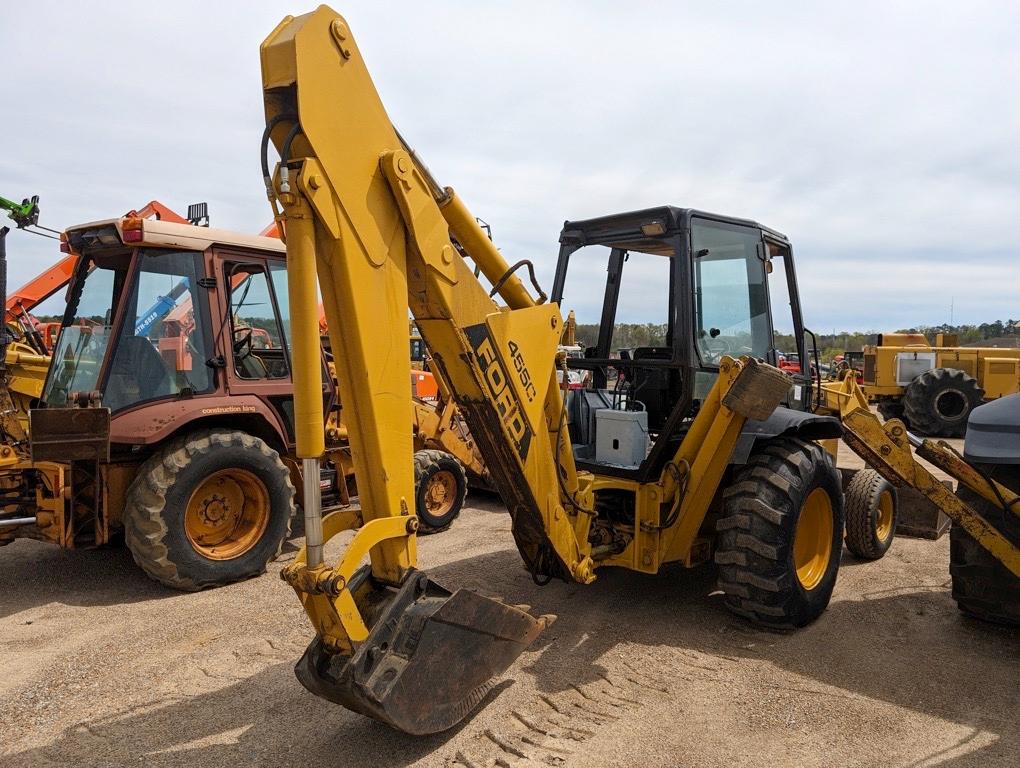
{"x":80,"y":350}
{"x":730,"y":292}
{"x":162,"y":346}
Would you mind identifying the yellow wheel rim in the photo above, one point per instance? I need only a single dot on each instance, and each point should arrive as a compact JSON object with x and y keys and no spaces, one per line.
{"x":440,"y":493}
{"x":227,"y":514}
{"x":812,"y":542}
{"x":884,"y":518}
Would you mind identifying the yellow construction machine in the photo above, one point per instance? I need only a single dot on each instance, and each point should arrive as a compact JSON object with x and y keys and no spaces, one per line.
{"x":933,"y":388}
{"x":697,"y":457}
{"x":985,"y":510}
{"x":694,"y":449}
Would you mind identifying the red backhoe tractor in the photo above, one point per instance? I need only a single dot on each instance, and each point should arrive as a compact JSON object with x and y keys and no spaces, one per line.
{"x":169,"y":409}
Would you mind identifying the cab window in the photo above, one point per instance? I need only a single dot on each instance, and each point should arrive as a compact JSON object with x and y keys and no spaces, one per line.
{"x":730,"y":292}
{"x":164,"y":340}
{"x":256,"y":331}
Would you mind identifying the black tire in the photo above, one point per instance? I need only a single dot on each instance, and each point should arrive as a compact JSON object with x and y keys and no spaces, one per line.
{"x":157,"y":500}
{"x":758,"y":527}
{"x":982,"y":586}
{"x":871,"y":512}
{"x":892,"y":409}
{"x":938,"y":402}
{"x":438,"y":471}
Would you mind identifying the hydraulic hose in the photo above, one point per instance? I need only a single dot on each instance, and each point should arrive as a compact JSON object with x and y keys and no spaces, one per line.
{"x":264,"y":155}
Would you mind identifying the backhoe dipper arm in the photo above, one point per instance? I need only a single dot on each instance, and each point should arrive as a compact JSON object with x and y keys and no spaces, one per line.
{"x":378,"y":227}
{"x":360,"y":212}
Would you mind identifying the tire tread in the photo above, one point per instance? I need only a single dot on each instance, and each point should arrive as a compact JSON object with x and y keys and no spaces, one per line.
{"x":755,"y":532}
{"x":145,"y":528}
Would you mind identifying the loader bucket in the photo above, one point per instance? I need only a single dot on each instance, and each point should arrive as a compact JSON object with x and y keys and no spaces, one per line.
{"x":429,"y":659}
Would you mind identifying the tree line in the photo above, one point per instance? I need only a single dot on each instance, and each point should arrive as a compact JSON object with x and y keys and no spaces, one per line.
{"x":630,"y":335}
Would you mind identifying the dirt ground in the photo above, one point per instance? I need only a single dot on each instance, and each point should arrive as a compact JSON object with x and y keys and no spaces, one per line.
{"x":103,"y":667}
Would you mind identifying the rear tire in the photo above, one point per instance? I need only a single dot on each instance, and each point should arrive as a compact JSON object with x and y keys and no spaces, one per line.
{"x":780,"y":535}
{"x":938,"y":402}
{"x":440,"y":486}
{"x":871,"y":511}
{"x":208,"y":509}
{"x":982,"y":586}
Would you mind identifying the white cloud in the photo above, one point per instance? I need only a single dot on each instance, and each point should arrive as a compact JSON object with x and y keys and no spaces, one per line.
{"x":880,"y":137}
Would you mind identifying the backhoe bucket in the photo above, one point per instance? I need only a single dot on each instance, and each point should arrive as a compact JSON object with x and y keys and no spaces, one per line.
{"x":429,"y":659}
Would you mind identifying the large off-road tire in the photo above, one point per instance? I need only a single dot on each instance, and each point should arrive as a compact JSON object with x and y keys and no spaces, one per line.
{"x":440,"y":485}
{"x":209,"y":508}
{"x":871,"y":507}
{"x":982,"y":586}
{"x":781,"y":534}
{"x":891,"y":409}
{"x":938,"y":402}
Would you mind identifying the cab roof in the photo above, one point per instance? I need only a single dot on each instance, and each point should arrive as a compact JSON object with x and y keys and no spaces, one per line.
{"x":166,"y":234}
{"x":637,"y":230}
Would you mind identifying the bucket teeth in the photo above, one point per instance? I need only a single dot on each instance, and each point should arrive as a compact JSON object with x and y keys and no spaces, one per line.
{"x":430,"y":658}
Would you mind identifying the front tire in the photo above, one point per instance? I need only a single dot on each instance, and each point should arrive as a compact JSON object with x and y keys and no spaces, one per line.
{"x":780,"y":535}
{"x":208,"y":509}
{"x":440,"y":485}
{"x":938,"y":402}
{"x":871,"y":511}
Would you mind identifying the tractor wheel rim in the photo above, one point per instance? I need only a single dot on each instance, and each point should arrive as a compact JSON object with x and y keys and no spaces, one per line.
{"x":884,"y":517}
{"x":440,"y":493}
{"x":812,"y":542}
{"x":951,"y":405}
{"x":227,"y":514}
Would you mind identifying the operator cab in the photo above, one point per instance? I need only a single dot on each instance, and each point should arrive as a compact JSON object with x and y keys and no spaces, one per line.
{"x":661,"y":296}
{"x":159,"y":312}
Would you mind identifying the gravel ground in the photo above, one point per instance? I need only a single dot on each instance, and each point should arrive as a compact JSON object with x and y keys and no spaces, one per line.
{"x":103,"y":667}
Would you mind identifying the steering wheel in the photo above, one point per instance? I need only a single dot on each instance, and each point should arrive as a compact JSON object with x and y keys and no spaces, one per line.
{"x":716,"y":348}
{"x":243,"y":343}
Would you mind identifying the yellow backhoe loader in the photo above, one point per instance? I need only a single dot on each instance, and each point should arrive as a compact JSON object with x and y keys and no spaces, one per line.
{"x":694,"y":448}
{"x":726,"y":470}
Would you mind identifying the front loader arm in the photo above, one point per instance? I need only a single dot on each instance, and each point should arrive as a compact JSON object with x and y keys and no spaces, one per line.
{"x":887,"y":448}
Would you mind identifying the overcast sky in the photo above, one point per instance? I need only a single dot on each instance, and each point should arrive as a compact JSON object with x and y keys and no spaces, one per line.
{"x":885,"y":141}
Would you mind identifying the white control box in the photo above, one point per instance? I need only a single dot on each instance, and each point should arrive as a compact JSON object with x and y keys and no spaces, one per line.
{"x":621,"y":437}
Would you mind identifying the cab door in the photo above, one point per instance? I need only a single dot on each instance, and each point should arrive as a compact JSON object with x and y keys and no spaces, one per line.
{"x":790,"y":350}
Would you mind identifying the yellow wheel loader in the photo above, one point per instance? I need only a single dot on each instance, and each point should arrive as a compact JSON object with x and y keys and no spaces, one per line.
{"x":686,"y":450}
{"x":985,"y":509}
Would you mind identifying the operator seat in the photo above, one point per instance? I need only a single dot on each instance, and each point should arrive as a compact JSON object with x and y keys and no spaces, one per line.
{"x":653,"y":387}
{"x":138,"y":373}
